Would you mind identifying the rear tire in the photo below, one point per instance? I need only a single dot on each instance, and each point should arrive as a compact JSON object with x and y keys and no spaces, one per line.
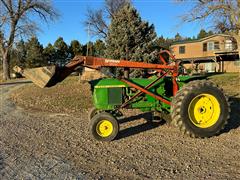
{"x":200,"y":109}
{"x":104,"y":127}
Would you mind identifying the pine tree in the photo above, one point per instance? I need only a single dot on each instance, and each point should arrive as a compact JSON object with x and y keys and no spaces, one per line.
{"x":34,"y":55}
{"x":162,"y":43}
{"x":99,"y":48}
{"x":210,"y":33}
{"x":62,"y":53}
{"x":178,"y":37}
{"x":75,"y":48}
{"x":202,"y":34}
{"x":88,"y":49}
{"x":20,"y":52}
{"x":49,"y":53}
{"x":130,"y":38}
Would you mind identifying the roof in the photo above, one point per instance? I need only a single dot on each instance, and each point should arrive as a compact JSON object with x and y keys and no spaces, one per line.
{"x":199,"y":40}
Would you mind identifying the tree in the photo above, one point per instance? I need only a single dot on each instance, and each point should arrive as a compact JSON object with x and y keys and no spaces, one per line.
{"x":62,"y":53}
{"x":203,"y":34}
{"x":163,"y":43}
{"x":75,"y":48}
{"x":210,"y":33}
{"x":49,"y":53}
{"x":19,"y":17}
{"x":88,"y":49}
{"x":130,"y":38}
{"x":34,"y":55}
{"x":99,"y":48}
{"x":21,"y":53}
{"x":97,"y":20}
{"x":224,"y":15}
{"x":178,"y":37}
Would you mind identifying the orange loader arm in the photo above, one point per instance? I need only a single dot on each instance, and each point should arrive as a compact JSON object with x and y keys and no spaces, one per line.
{"x":51,"y":75}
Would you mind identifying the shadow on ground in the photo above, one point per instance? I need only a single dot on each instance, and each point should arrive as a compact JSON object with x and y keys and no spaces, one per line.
{"x":148,"y":125}
{"x":1,"y":165}
{"x":234,"y":121}
{"x":15,"y":83}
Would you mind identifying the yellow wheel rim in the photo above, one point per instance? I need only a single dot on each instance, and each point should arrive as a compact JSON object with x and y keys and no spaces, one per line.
{"x":104,"y":128}
{"x":204,"y":110}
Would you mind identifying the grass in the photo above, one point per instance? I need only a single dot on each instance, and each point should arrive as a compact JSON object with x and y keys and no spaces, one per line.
{"x":72,"y":96}
{"x":69,"y":96}
{"x":230,"y":82}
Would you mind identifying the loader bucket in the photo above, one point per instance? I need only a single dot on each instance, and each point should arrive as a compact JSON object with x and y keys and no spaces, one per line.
{"x":41,"y":76}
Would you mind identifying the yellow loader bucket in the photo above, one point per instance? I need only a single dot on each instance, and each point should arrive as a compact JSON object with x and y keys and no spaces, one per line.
{"x":40,"y":76}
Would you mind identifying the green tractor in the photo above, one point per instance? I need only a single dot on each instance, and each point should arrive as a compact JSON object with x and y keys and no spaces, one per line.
{"x":199,"y":108}
{"x":195,"y":105}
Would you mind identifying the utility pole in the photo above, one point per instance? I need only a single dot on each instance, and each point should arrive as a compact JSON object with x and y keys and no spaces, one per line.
{"x":88,"y":38}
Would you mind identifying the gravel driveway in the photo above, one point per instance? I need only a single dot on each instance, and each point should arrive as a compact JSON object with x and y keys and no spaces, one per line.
{"x":35,"y":145}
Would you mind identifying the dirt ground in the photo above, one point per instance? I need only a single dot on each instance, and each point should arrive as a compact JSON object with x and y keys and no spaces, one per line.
{"x":56,"y":145}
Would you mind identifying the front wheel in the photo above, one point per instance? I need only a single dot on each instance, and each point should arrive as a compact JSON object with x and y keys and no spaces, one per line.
{"x":200,"y":109}
{"x":93,"y":111}
{"x":104,"y":127}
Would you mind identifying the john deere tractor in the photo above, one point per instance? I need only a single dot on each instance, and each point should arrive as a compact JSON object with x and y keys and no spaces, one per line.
{"x":196,"y":106}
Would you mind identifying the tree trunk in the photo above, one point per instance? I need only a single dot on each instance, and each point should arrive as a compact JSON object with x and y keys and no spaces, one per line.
{"x":237,"y":37}
{"x":6,"y":67}
{"x":238,"y":49}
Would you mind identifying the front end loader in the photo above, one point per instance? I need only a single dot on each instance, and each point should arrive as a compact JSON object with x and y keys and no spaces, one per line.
{"x":196,"y":106}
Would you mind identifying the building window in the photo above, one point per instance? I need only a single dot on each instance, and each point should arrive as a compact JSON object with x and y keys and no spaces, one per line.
{"x":204,"y":46}
{"x":210,"y":46}
{"x":229,"y":45}
{"x":216,"y":45}
{"x":181,"y":49}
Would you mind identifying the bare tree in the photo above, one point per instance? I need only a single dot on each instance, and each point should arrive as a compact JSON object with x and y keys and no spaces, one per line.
{"x":97,"y":20}
{"x":16,"y":18}
{"x":224,"y":15}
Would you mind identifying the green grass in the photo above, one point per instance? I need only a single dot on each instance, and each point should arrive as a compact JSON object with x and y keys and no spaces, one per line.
{"x":230,"y":82}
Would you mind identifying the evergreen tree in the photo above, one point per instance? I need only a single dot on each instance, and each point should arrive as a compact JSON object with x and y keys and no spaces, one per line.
{"x":99,"y":48}
{"x":88,"y":49}
{"x":18,"y":55}
{"x":62,"y":53}
{"x":130,"y":38}
{"x":163,"y":43}
{"x":50,"y":54}
{"x":75,"y":48}
{"x":34,"y":54}
{"x":84,"y":49}
{"x":210,"y":33}
{"x":178,"y":37}
{"x":202,"y":34}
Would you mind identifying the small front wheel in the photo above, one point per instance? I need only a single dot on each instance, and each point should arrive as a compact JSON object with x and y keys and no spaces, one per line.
{"x":104,"y":127}
{"x":92,"y":113}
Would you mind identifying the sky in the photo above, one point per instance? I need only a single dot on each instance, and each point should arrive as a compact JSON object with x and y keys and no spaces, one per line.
{"x":164,"y":14}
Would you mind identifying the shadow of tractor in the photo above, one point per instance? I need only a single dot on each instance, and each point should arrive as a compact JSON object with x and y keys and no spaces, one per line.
{"x":148,"y":125}
{"x":2,"y":166}
{"x":233,"y":123}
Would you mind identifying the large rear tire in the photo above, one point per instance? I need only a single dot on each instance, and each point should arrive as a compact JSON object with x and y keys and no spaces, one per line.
{"x":200,"y":109}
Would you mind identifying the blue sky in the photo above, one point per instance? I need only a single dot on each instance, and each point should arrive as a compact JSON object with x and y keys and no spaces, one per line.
{"x":164,"y":14}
